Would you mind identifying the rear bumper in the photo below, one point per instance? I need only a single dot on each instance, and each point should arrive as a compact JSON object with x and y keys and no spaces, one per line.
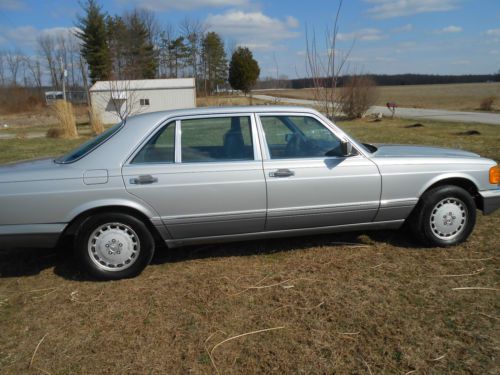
{"x":31,"y":235}
{"x":490,"y":200}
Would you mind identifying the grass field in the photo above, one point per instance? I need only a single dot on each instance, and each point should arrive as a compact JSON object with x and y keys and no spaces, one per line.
{"x":357,"y":303}
{"x":464,"y":97}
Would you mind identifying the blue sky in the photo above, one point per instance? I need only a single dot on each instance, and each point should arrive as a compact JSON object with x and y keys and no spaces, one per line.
{"x":391,"y":36}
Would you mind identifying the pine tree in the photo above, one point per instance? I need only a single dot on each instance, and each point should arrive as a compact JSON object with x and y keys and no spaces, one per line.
{"x":93,"y":35}
{"x":214,"y":61}
{"x":243,"y":70}
{"x":141,"y":56}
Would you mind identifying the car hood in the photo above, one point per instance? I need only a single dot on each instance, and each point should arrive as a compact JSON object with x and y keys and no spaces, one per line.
{"x":35,"y":170}
{"x":421,"y":151}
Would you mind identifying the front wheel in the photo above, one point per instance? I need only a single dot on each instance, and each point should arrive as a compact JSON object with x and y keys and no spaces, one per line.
{"x":445,"y":216}
{"x":114,"y":246}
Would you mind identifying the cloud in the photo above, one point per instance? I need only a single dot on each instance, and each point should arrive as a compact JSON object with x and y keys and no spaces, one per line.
{"x":162,"y":5}
{"x":366,"y":35}
{"x":493,"y":32}
{"x":26,"y":36}
{"x":397,"y":8}
{"x":292,"y":22}
{"x":449,"y":29}
{"x":252,"y":29}
{"x":403,"y":29}
{"x":12,"y":5}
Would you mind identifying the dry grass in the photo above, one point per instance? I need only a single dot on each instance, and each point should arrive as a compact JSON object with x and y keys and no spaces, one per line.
{"x":466,"y":96}
{"x":358,"y":303}
{"x":66,"y":119}
{"x":96,"y":122}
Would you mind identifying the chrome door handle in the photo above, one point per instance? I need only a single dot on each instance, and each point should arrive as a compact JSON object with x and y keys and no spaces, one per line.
{"x":143,"y":180}
{"x":282,"y":173}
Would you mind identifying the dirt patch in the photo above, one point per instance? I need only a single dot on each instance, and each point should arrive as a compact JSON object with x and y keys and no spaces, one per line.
{"x":469,"y":132}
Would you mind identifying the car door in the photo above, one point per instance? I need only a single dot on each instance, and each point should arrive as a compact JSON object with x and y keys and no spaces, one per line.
{"x":203,"y":175}
{"x":309,"y":182}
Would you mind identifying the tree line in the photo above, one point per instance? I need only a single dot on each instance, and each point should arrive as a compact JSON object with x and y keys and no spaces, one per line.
{"x":129,"y":46}
{"x":135,"y":46}
{"x":380,"y":80}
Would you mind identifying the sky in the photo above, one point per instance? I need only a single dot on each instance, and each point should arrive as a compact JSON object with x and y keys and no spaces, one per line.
{"x":386,"y":36}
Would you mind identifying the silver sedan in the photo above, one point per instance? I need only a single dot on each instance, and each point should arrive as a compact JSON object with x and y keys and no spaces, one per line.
{"x":223,"y":174}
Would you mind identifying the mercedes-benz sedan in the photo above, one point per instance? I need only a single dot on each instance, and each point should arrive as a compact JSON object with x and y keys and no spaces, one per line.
{"x":223,"y":174}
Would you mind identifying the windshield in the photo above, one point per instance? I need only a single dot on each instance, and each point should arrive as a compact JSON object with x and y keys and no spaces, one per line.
{"x":88,"y":146}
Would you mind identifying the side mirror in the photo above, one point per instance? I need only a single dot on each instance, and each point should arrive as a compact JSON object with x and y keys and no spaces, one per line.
{"x":346,"y":148}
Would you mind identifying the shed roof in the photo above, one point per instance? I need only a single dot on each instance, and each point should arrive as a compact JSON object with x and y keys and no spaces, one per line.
{"x":144,"y":84}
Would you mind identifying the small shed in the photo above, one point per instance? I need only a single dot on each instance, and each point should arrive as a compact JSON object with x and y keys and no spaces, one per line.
{"x":115,"y":100}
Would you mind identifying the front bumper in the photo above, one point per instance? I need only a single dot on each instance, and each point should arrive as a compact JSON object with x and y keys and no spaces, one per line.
{"x":490,"y":200}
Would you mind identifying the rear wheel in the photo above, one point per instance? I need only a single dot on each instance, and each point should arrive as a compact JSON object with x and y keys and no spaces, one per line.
{"x":445,"y":216}
{"x":114,"y":246}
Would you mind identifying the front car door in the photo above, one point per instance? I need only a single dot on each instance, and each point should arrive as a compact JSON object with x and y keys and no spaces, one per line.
{"x":309,"y":183}
{"x":203,"y":175}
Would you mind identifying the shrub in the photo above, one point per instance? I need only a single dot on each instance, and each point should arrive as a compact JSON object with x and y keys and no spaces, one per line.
{"x":66,"y":118}
{"x":487,"y":103}
{"x":96,"y":122}
{"x":357,"y":96}
{"x":54,"y":133}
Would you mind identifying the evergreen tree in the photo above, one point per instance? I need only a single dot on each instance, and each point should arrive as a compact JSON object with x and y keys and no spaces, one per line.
{"x":243,"y":70}
{"x":93,"y":35}
{"x":214,"y":61}
{"x":140,"y":54}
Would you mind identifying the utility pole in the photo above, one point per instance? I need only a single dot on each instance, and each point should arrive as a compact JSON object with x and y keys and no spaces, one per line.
{"x":64,"y":74}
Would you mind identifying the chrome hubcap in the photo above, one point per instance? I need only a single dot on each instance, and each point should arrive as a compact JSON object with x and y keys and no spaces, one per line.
{"x":114,"y":246}
{"x":448,"y":218}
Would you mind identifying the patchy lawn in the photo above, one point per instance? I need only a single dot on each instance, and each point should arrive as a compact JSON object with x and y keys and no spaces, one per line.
{"x":357,"y":303}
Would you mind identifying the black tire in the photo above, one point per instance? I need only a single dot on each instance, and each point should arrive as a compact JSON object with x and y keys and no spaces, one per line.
{"x":137,"y":241}
{"x":433,"y":225}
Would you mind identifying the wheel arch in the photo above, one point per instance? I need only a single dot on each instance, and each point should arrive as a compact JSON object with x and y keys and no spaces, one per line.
{"x":153,"y":223}
{"x":465,"y":182}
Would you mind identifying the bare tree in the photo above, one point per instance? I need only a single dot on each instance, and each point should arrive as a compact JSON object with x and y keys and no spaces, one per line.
{"x":325,"y":68}
{"x":124,"y":99}
{"x":34,"y":69}
{"x":14,"y":63}
{"x":46,"y":44}
{"x":193,"y":32}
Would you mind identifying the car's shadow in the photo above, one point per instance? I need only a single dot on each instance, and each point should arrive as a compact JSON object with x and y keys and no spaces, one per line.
{"x":29,"y":262}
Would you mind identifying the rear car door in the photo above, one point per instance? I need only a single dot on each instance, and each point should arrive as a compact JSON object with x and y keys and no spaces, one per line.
{"x":309,"y":182}
{"x":203,"y":175}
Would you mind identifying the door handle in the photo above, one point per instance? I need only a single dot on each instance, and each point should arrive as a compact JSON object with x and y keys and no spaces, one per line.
{"x":143,"y":180}
{"x":282,"y":173}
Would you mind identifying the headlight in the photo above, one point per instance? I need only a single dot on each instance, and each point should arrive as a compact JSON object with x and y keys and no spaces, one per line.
{"x":495,"y":175}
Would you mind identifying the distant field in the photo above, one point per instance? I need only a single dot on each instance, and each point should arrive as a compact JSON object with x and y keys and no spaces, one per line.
{"x":465,"y":97}
{"x":356,"y":303}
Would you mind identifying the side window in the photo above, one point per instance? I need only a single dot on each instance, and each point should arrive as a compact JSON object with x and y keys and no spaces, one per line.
{"x":160,"y":148}
{"x":298,"y":137}
{"x":216,"y":139}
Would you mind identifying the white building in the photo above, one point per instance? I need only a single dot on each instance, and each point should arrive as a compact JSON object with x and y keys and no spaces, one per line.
{"x":115,"y":100}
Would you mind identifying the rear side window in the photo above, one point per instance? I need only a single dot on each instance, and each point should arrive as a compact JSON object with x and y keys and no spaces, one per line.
{"x":160,"y":148}
{"x":88,"y":146}
{"x":216,"y":139}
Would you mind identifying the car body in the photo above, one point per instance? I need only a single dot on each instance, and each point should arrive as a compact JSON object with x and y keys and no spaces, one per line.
{"x":223,"y":174}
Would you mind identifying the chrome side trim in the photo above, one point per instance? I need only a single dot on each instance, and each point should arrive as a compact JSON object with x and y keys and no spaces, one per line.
{"x":31,"y":229}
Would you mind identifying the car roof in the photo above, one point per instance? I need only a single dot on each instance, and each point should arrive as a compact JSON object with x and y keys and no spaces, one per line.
{"x":156,"y":117}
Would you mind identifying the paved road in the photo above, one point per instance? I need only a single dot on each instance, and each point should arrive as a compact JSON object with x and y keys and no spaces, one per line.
{"x":411,"y":113}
